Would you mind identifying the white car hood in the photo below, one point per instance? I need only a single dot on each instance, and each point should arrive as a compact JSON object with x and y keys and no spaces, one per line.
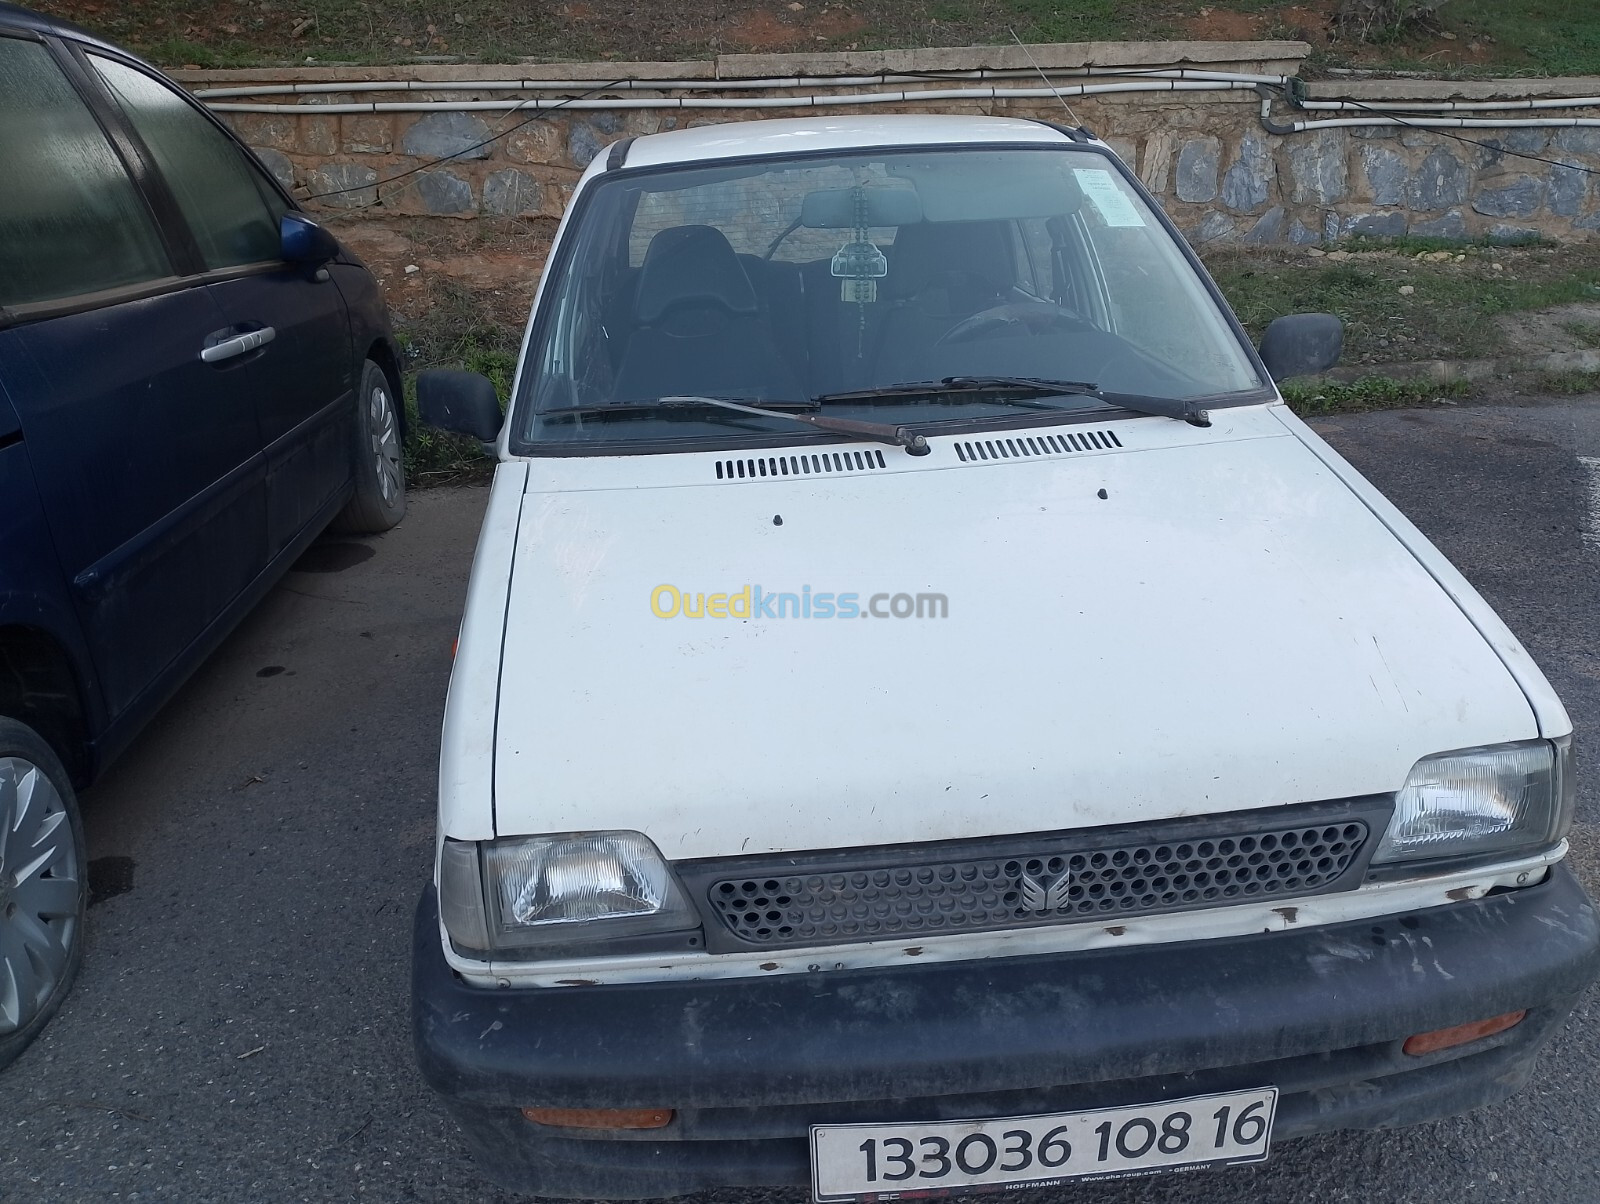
{"x":1227,"y":627}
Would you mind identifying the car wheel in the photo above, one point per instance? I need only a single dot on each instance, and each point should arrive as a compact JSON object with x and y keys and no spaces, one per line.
{"x":380,"y":473}
{"x":44,"y":887}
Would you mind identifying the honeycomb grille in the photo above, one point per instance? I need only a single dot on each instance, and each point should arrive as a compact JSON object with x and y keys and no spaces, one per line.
{"x":1022,"y":886}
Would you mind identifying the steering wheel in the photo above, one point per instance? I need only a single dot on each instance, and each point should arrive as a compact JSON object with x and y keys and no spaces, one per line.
{"x":1014,"y":317}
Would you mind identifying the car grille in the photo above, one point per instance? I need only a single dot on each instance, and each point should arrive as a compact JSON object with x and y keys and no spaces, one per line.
{"x":1026,"y":881}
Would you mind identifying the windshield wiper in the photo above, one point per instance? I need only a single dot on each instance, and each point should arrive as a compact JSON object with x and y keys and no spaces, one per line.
{"x":1035,"y":386}
{"x":880,"y":432}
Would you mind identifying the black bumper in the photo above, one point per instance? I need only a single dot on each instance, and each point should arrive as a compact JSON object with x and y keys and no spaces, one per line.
{"x":749,"y":1064}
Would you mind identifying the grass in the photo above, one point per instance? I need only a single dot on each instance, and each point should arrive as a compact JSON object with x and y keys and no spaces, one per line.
{"x":1312,"y":399}
{"x":1585,"y":334}
{"x":1568,"y":384}
{"x":1540,"y":37}
{"x":457,"y":331}
{"x":1513,"y":36}
{"x":1449,"y":315}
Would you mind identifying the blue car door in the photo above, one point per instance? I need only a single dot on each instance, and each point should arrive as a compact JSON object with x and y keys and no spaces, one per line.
{"x":304,"y":377}
{"x":147,"y":457}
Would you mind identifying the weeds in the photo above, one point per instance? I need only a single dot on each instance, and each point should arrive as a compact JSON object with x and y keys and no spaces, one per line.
{"x":1552,"y":37}
{"x":1384,"y":20}
{"x":457,"y":331}
{"x":1568,"y":384}
{"x":1309,"y":399}
{"x":1450,"y":312}
{"x":1586,"y":334}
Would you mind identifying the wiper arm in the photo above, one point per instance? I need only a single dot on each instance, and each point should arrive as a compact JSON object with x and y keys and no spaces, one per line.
{"x":1038,"y":386}
{"x":881,"y":432}
{"x":1139,"y":403}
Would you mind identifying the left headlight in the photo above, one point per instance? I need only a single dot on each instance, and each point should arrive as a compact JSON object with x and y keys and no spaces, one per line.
{"x":1494,"y":800}
{"x":578,"y":888}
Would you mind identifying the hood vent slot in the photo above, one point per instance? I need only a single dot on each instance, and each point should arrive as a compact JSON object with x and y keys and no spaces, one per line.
{"x":1025,"y":448}
{"x":813,"y":464}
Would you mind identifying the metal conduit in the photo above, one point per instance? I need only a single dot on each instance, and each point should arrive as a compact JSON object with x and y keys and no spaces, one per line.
{"x":1425,"y":123}
{"x":723,"y":85}
{"x":808,"y":100}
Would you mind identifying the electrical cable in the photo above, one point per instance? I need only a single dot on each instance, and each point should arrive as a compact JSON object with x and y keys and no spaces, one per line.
{"x":1423,"y":125}
{"x":466,"y":150}
{"x":1489,"y":146}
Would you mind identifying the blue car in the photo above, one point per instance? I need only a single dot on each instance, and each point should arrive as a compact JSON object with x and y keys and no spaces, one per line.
{"x":195,"y":381}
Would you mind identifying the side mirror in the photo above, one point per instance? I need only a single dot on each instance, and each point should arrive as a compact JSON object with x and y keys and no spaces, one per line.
{"x":1302,"y":345}
{"x":304,"y":243}
{"x":462,"y":402}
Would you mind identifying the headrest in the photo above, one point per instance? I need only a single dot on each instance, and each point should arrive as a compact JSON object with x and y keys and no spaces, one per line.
{"x":931,"y":251}
{"x":691,"y":264}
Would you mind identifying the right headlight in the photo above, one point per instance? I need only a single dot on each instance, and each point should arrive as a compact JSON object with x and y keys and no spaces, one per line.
{"x":1502,"y":798}
{"x":562,"y":890}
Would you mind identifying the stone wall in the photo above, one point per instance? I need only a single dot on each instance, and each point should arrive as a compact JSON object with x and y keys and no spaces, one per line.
{"x":1206,"y":155}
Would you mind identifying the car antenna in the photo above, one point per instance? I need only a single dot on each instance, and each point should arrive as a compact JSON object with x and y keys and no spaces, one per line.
{"x":1012,"y":31}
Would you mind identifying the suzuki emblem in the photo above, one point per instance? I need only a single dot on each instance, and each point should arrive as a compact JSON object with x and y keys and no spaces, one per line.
{"x":1039,"y":895}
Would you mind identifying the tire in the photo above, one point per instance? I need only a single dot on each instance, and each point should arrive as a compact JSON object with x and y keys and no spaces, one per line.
{"x":44,"y":887}
{"x":378,"y":466}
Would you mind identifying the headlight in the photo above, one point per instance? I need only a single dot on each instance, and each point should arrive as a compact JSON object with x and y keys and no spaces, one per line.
{"x":1482,"y":800}
{"x":531,"y":891}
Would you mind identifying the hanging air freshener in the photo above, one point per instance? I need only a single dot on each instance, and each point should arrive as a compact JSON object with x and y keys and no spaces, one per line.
{"x":860,"y":265}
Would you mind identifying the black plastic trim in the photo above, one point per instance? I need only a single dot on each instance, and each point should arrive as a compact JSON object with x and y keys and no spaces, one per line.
{"x":916,"y":1029}
{"x":1080,"y":133}
{"x":701,"y":875}
{"x":618,"y":157}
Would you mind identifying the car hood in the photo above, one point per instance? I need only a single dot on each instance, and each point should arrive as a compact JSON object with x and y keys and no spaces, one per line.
{"x":1162,"y":621}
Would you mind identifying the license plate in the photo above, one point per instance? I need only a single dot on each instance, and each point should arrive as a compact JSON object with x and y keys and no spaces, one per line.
{"x":893,"y":1161}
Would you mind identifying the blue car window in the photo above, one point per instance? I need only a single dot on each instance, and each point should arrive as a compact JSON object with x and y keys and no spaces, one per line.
{"x":233,"y":216}
{"x":71,"y":221}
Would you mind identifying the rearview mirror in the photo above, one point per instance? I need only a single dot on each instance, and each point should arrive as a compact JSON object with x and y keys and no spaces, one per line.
{"x":301,"y":241}
{"x":1302,"y":345}
{"x":464,"y":403}
{"x":858,"y":208}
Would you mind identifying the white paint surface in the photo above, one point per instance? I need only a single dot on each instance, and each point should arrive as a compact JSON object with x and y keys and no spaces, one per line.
{"x":1230,"y":628}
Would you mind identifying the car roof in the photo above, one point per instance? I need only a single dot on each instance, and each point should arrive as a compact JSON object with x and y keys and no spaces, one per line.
{"x":14,"y":17}
{"x":804,"y":135}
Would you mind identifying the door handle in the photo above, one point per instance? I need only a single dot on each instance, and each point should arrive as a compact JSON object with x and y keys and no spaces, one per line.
{"x":238,"y":345}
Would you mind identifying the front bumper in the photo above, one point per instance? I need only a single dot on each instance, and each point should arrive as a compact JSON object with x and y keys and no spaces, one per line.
{"x":750,"y":1064}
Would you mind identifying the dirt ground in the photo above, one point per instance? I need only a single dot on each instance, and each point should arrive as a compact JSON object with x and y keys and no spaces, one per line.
{"x":491,"y":263}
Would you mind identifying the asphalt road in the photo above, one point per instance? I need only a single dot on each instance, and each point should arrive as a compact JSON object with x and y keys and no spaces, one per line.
{"x":240,"y":1029}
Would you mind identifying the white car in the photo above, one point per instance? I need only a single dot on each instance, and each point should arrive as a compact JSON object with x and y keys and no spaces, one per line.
{"x":927,"y":715}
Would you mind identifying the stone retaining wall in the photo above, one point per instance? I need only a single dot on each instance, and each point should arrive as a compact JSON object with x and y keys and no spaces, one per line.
{"x":1206,"y":155}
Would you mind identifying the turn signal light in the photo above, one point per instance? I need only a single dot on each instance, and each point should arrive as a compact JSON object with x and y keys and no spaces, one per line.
{"x":601,"y":1118}
{"x":1461,"y":1034}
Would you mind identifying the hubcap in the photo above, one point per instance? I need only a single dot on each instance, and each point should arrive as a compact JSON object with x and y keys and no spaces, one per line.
{"x":385,"y":431}
{"x":38,"y":891}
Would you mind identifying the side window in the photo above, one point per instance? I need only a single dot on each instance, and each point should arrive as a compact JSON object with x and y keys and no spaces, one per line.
{"x":71,"y":221}
{"x":233,"y":215}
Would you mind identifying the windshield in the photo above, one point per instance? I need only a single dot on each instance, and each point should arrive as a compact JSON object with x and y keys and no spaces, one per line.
{"x":789,"y":279}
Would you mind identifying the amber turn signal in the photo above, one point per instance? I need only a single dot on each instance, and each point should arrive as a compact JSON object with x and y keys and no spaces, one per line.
{"x":601,"y":1118}
{"x":1461,"y":1034}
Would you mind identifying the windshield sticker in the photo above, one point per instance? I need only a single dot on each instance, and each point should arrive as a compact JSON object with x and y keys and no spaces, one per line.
{"x":1109,"y":200}
{"x":754,"y":602}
